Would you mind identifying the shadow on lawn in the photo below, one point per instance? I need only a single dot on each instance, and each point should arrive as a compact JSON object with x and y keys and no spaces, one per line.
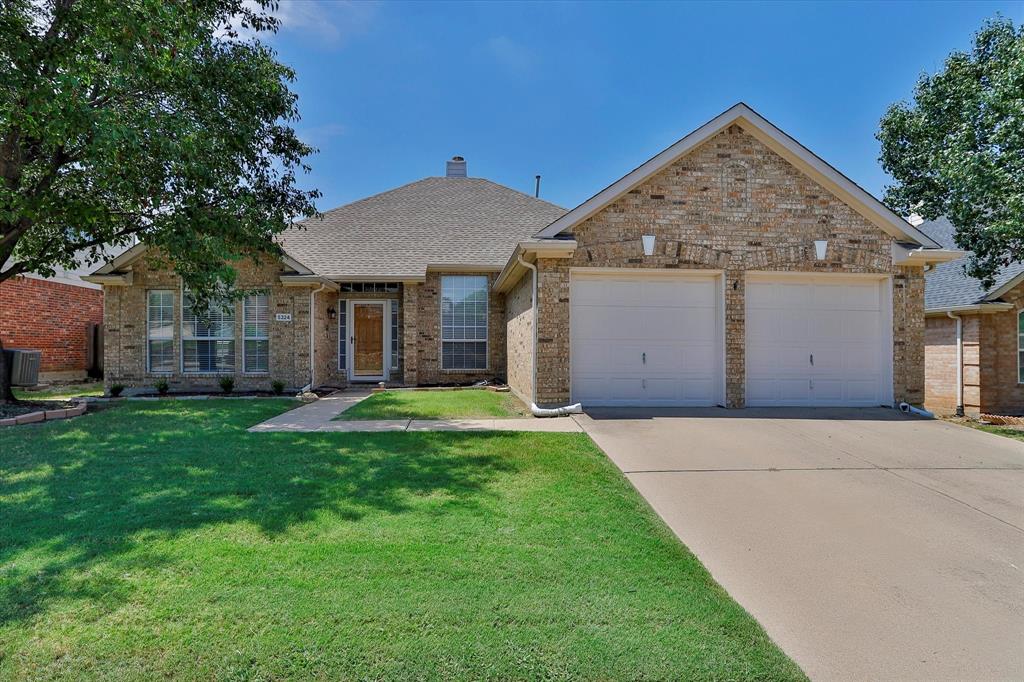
{"x":90,"y":493}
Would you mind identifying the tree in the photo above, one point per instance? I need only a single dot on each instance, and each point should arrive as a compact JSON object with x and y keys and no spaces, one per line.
{"x":159,"y":120}
{"x":958,"y":150}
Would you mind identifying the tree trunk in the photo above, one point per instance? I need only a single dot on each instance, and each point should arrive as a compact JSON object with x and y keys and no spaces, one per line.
{"x":6,"y":391}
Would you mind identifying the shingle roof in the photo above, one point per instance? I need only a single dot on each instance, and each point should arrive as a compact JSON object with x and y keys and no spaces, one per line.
{"x":434,"y":221}
{"x":947,"y":285}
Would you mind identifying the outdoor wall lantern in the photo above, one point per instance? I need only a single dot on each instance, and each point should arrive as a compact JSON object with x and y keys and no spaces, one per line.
{"x":820,"y":247}
{"x":648,"y":241}
{"x":332,"y":313}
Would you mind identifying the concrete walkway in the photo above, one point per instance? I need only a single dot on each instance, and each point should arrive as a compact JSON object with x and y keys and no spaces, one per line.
{"x":318,"y":416}
{"x":870,"y":546}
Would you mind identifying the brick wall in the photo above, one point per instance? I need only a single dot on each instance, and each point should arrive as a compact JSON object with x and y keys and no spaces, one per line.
{"x":734,"y":205}
{"x":1001,"y":392}
{"x":519,"y":337}
{"x":126,"y":343}
{"x":52,"y":317}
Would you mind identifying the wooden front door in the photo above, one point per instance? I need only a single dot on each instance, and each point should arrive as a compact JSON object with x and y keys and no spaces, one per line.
{"x":368,"y":340}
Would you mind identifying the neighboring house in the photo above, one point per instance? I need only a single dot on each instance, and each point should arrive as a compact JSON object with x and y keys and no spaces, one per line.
{"x":734,"y":268}
{"x":54,"y":315}
{"x":974,"y":337}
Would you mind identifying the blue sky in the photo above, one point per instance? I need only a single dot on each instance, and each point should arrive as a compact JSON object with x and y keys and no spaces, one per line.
{"x":581,"y":93}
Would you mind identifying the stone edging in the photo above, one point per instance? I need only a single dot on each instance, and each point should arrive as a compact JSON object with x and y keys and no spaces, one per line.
{"x":45,"y":415}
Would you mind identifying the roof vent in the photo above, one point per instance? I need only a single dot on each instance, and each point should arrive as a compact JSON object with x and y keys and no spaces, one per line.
{"x":456,"y":168}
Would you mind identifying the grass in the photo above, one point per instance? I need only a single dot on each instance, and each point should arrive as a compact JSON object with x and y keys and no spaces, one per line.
{"x":1006,"y":431}
{"x":82,"y":390}
{"x":162,"y":540}
{"x":466,"y":404}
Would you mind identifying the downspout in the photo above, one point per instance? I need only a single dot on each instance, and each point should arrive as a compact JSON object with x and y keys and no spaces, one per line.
{"x":312,"y":314}
{"x":540,"y":411}
{"x":959,"y":363}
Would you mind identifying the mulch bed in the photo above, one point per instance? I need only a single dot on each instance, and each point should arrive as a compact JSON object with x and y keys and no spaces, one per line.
{"x":25,"y":406}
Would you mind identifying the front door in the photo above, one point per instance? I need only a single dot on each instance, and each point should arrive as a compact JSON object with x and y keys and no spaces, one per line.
{"x":368,"y":341}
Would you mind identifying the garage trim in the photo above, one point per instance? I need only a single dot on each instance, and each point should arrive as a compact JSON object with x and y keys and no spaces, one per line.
{"x":595,"y":273}
{"x":886,"y":348}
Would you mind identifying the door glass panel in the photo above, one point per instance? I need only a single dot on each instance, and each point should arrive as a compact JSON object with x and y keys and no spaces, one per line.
{"x":368,"y":348}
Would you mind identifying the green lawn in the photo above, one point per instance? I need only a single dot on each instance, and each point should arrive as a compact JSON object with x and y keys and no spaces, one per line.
{"x":161,"y":540}
{"x":1007,"y":431}
{"x":467,"y":404}
{"x":94,"y":389}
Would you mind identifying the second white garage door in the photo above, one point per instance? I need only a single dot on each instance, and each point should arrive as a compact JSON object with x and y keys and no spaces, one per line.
{"x":818,"y":340}
{"x":646,"y":339}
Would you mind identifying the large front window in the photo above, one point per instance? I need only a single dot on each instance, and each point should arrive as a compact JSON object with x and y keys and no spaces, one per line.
{"x":160,"y":331}
{"x":464,"y":322}
{"x":207,"y":336}
{"x":256,"y":328}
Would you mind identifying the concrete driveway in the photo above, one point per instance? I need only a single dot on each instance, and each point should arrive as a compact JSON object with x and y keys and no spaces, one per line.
{"x":869,"y":545}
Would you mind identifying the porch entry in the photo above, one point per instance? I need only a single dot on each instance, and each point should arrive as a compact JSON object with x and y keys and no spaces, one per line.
{"x":367,"y":340}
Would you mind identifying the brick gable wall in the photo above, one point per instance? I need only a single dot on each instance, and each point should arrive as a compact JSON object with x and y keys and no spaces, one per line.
{"x":734,"y":205}
{"x":51,"y":317}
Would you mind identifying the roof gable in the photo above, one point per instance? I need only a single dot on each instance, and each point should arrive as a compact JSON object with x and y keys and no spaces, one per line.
{"x":773,"y":138}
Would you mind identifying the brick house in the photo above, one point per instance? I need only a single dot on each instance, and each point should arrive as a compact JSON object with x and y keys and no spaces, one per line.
{"x":734,"y":268}
{"x":974,"y":337}
{"x":52,"y":315}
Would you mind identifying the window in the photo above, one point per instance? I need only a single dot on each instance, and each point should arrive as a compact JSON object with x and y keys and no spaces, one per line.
{"x":464,"y":322}
{"x":342,"y":334}
{"x":207,"y":336}
{"x":369,"y":287}
{"x":394,"y":334}
{"x":256,"y":334}
{"x":1020,"y":347}
{"x":160,"y":331}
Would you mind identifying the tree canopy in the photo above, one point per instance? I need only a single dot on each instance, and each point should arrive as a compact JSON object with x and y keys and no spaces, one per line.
{"x":157,"y":120}
{"x":958,"y":149}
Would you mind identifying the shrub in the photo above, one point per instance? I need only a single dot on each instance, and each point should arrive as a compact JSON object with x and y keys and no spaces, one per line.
{"x":162,"y":386}
{"x":227,"y":384}
{"x":115,"y":390}
{"x":277,"y":386}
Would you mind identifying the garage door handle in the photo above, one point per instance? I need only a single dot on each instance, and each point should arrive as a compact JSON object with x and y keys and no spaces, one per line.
{"x":812,"y":359}
{"x":644,"y":357}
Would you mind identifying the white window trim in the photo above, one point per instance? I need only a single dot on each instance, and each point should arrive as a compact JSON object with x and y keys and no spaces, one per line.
{"x":487,"y":329}
{"x":149,"y":358}
{"x":245,"y":337}
{"x":233,"y":338}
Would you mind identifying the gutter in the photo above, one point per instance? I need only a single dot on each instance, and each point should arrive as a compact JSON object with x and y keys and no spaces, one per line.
{"x":959,"y":363}
{"x":976,"y":308}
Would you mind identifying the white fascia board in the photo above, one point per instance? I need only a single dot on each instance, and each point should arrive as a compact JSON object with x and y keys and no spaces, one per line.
{"x":294,"y":264}
{"x":461,"y":267}
{"x":118,"y":280}
{"x":903,"y":255}
{"x":997,"y":293}
{"x":307,"y":281}
{"x":123,"y":260}
{"x":973,"y":308}
{"x":801,"y":157}
{"x":531,"y":250}
{"x":412,"y":279}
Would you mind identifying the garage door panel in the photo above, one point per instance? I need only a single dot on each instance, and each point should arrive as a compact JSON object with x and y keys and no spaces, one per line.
{"x":840,"y":321}
{"x":645,"y":341}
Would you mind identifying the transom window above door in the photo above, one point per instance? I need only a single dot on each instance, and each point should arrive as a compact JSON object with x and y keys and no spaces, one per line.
{"x":464,"y":322}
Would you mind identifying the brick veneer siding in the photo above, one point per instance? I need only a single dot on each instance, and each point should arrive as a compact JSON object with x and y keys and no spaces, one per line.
{"x":51,"y":317}
{"x":519,"y":337}
{"x":1001,"y":392}
{"x":427,"y":369}
{"x":940,"y":364}
{"x":731,"y":204}
{"x":125,"y":323}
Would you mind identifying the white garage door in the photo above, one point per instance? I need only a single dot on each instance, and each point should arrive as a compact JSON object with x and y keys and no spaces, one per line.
{"x":646,"y":339}
{"x":821,"y":340}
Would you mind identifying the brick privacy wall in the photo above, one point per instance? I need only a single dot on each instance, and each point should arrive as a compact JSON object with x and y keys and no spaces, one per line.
{"x":428,"y":335}
{"x":1001,"y":392}
{"x":51,"y":317}
{"x":519,"y":337}
{"x":735,"y":205}
{"x":125,"y":321}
